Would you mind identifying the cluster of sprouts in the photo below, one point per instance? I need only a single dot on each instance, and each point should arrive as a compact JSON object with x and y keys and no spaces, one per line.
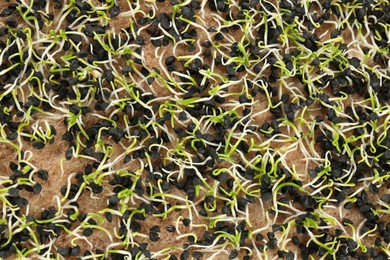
{"x":206,"y":129}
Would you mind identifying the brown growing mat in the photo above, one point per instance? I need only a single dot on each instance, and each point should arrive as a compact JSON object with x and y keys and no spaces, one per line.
{"x":176,"y":129}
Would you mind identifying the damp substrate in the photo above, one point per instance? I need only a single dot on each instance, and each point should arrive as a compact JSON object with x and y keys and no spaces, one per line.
{"x":194,"y":129}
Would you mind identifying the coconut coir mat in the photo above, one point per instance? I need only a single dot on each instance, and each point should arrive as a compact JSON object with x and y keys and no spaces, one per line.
{"x":194,"y":129}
